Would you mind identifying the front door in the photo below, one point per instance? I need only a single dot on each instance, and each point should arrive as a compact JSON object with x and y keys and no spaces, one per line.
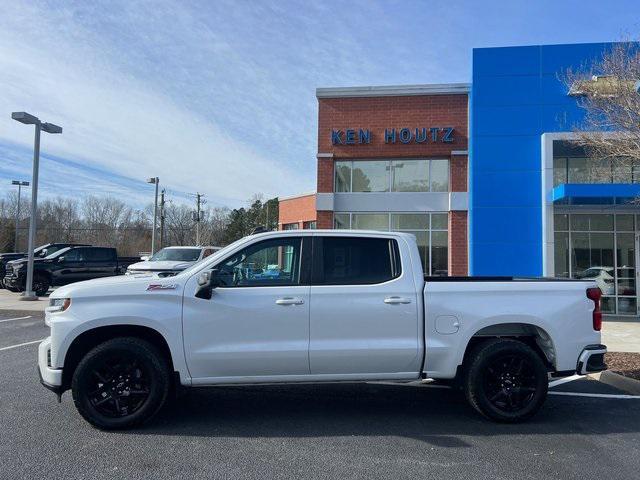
{"x":364,"y":309}
{"x":256,"y":323}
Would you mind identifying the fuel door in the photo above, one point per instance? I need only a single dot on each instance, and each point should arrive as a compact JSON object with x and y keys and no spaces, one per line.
{"x":447,"y":324}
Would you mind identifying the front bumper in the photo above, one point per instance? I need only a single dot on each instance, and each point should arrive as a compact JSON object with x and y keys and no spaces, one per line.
{"x":14,"y":280}
{"x":591,"y":360}
{"x":51,"y":378}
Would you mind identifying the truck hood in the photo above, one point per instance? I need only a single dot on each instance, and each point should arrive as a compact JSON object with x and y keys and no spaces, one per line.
{"x":160,"y":265}
{"x":120,"y":285}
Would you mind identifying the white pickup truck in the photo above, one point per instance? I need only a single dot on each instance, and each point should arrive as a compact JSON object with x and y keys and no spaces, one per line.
{"x":316,"y":306}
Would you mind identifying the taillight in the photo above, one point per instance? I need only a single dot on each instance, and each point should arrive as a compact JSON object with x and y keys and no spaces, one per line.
{"x":595,"y":294}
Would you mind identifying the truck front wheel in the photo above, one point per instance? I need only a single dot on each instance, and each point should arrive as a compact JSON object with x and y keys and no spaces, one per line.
{"x":121,"y":383}
{"x":505,"y":380}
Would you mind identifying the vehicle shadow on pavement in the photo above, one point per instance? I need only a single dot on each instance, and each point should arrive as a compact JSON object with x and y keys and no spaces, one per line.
{"x":440,"y":417}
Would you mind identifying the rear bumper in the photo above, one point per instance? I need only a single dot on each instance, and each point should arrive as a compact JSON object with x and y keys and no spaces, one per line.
{"x":591,"y":360}
{"x":51,"y":378}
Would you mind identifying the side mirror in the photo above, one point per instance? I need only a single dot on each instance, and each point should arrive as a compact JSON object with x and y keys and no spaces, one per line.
{"x":61,"y":259}
{"x":144,"y":258}
{"x":43,"y":253}
{"x":207,"y":281}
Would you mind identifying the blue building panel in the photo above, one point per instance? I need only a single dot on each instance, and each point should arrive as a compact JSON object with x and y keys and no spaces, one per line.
{"x":517,"y":95}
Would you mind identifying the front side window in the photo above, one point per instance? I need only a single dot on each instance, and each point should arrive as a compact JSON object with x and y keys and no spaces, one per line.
{"x":75,"y":255}
{"x":358,"y":261}
{"x":269,"y":263}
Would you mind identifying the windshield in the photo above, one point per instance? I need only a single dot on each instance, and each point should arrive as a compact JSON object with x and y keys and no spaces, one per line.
{"x":177,"y":255}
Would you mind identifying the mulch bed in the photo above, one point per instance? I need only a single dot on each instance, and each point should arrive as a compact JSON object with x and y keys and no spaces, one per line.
{"x":627,"y":364}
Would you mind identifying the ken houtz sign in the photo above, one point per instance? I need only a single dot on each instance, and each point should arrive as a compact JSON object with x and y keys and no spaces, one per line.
{"x":353,"y":136}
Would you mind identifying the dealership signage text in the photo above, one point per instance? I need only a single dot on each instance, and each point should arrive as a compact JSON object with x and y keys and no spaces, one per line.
{"x":352,"y":136}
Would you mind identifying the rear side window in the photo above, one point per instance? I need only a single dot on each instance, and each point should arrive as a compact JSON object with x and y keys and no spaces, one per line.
{"x":356,"y":261}
{"x":100,"y":255}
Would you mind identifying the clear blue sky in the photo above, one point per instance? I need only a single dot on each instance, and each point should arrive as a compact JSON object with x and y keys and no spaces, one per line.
{"x":219,"y":96}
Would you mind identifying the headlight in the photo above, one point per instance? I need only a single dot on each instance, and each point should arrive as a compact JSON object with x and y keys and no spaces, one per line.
{"x":59,"y":304}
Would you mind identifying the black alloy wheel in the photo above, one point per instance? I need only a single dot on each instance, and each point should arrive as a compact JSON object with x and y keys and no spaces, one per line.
{"x":119,"y":386}
{"x":505,"y":380}
{"x":510,"y":383}
{"x":40,"y":285}
{"x":121,"y":383}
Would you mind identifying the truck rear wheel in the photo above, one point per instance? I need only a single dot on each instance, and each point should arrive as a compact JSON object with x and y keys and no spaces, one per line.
{"x":505,"y":380}
{"x":121,"y":383}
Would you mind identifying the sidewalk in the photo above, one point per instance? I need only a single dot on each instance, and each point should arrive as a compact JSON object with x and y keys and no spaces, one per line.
{"x":11,"y":301}
{"x":621,"y":335}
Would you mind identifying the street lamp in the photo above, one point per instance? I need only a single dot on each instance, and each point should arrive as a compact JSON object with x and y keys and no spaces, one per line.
{"x":156,"y":182}
{"x":20,"y":184}
{"x":28,"y":119}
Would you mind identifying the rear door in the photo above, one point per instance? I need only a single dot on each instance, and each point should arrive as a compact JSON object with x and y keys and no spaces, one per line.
{"x":101,"y":262}
{"x":364,"y":309}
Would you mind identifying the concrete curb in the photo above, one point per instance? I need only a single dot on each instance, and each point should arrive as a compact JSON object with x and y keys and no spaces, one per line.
{"x":626,"y":384}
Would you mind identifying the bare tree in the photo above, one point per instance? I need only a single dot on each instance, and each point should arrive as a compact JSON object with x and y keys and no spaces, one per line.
{"x":607,"y":90}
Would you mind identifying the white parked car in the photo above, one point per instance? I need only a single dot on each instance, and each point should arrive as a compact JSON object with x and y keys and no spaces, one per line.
{"x":603,"y":276}
{"x":171,"y":260}
{"x":316,"y":306}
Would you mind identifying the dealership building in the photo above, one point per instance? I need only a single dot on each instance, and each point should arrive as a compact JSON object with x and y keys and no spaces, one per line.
{"x":483,"y":174}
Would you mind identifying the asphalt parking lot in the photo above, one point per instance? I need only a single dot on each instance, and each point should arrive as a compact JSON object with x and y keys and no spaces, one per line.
{"x":586,"y":430}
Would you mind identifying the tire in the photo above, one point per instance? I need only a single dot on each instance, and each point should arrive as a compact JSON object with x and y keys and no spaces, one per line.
{"x":505,"y":380}
{"x":105,"y":380}
{"x":41,"y":285}
{"x":12,"y":289}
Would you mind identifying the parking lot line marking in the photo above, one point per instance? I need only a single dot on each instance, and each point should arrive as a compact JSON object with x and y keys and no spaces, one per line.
{"x":560,"y":381}
{"x":595,"y":395}
{"x":17,"y":318}
{"x":20,"y":345}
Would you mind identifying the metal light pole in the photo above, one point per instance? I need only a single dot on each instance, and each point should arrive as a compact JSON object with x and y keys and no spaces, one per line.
{"x":20,"y":184}
{"x":28,"y":119}
{"x":156,"y":181}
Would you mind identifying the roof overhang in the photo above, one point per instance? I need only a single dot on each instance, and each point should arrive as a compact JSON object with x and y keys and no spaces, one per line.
{"x":395,"y":90}
{"x":596,"y":194}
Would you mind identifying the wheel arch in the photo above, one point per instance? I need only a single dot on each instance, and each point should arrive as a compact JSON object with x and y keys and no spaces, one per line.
{"x":537,"y":337}
{"x":89,"y":339}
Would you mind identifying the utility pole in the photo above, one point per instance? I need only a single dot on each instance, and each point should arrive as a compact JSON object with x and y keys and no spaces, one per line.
{"x":197,"y":216}
{"x":162,"y":219}
{"x":266,"y":220}
{"x":156,"y":182}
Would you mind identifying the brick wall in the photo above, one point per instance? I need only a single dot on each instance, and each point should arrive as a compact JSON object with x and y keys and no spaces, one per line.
{"x":458,"y":173}
{"x":297,"y":210}
{"x":458,"y":254}
{"x":324,"y":220}
{"x":378,"y":113}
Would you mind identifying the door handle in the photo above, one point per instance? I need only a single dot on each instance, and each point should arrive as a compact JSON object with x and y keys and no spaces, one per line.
{"x":396,"y":300}
{"x":290,"y":301}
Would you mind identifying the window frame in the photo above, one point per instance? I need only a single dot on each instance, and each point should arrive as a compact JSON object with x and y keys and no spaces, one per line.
{"x":305,"y":262}
{"x":317,"y":262}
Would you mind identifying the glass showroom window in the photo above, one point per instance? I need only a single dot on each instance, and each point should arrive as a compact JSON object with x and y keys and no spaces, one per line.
{"x":430,"y":230}
{"x":392,"y":175}
{"x":600,"y":247}
{"x":572,"y":165}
